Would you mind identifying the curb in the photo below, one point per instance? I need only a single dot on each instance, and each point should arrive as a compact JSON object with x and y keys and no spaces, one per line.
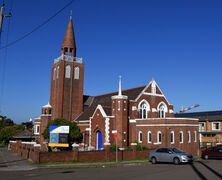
{"x":94,"y":165}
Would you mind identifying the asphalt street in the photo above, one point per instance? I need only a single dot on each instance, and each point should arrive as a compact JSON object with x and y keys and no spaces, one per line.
{"x":22,"y":169}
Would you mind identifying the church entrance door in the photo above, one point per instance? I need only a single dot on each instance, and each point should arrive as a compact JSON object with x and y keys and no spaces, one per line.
{"x":99,"y":140}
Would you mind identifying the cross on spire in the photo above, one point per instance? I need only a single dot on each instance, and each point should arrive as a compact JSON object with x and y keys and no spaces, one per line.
{"x":120,"y":86}
{"x":70,"y":14}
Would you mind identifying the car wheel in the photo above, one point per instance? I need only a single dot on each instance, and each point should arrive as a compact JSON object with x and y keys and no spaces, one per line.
{"x":206,"y":157}
{"x":153,"y":160}
{"x":176,"y":161}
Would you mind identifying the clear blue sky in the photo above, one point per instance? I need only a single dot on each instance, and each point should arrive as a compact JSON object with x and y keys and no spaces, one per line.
{"x":178,"y":43}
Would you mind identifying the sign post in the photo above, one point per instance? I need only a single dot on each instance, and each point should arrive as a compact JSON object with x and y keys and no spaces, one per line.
{"x":116,"y":137}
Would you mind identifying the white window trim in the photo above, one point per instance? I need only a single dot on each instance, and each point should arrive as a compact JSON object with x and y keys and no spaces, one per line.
{"x":165,"y":108}
{"x":149,"y":134}
{"x":140,"y":140}
{"x":181,"y":140}
{"x":54,"y":74}
{"x":172,"y":132}
{"x":36,"y":127}
{"x":57,"y":74}
{"x":158,"y":140}
{"x":189,"y":137}
{"x":195,"y":136}
{"x":204,"y":127}
{"x":76,"y":73}
{"x":147,"y":109}
{"x":68,"y":72}
{"x":212,"y":125}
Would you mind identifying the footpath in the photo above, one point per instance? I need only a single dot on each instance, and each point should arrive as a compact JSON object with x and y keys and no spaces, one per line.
{"x":11,"y":162}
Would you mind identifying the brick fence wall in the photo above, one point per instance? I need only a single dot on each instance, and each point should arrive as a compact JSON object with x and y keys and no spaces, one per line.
{"x":29,"y":150}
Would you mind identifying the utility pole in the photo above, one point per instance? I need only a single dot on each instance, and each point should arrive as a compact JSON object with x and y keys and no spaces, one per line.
{"x":2,"y":16}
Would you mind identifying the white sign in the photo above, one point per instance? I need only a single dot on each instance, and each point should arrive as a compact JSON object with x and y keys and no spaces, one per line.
{"x":114,"y":131}
{"x":61,"y":129}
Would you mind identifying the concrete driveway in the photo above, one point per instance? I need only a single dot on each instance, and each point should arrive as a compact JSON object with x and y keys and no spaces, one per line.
{"x":11,"y":162}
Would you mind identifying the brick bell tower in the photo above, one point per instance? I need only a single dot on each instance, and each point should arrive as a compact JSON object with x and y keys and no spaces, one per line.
{"x":67,"y":76}
{"x":120,"y":113}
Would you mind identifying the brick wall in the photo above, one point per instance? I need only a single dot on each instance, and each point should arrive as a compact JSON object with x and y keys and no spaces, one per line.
{"x":29,"y":150}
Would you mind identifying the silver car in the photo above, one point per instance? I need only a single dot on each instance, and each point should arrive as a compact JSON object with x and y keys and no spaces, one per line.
{"x":171,"y":155}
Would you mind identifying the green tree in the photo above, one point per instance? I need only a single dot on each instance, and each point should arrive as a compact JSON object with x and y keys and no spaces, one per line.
{"x":4,"y":121}
{"x":7,"y":132}
{"x":74,"y":131}
{"x":28,"y":125}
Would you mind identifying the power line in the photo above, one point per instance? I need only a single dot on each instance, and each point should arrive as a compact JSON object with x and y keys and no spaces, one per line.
{"x":37,"y":27}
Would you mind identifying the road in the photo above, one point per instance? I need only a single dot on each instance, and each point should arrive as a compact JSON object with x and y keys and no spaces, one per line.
{"x":16,"y":169}
{"x":210,"y":169}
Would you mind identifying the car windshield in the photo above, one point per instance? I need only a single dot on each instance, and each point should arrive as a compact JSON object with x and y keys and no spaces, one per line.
{"x":177,"y":150}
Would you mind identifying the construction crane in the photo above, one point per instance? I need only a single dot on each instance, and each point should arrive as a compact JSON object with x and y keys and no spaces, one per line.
{"x":182,"y":109}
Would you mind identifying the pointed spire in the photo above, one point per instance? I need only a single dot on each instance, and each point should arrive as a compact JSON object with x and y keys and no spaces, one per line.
{"x":69,"y":44}
{"x":120,"y":86}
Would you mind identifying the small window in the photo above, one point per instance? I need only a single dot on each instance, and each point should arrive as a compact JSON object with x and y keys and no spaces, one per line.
{"x":57,"y":75}
{"x":140,"y":138}
{"x":37,"y":129}
{"x":201,"y":127}
{"x":188,"y":137}
{"x":159,"y":137}
{"x":67,"y":75}
{"x":215,"y":126}
{"x":54,"y":74}
{"x":149,"y":137}
{"x":162,"y":112}
{"x":76,"y":73}
{"x":181,"y":136}
{"x":172,"y":137}
{"x":195,"y":136}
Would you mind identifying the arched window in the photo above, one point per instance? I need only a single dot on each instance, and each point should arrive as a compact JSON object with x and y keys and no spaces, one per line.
{"x":67,"y":71}
{"x":188,"y":138}
{"x":57,"y":75}
{"x":140,"y":137}
{"x":143,"y":109}
{"x":195,"y":136}
{"x":76,"y":73}
{"x":159,"y":137}
{"x":172,"y":137}
{"x":54,"y":74}
{"x":181,"y":136}
{"x":149,"y":137}
{"x":162,"y":109}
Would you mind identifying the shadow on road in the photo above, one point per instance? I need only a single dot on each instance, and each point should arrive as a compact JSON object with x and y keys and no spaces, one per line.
{"x":6,"y":162}
{"x":211,"y":169}
{"x":201,"y":176}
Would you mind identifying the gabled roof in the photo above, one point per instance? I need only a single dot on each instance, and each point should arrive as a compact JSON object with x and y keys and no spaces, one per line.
{"x":148,"y":88}
{"x":91,"y":102}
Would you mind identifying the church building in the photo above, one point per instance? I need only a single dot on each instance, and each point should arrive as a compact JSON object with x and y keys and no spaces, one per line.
{"x":137,"y":115}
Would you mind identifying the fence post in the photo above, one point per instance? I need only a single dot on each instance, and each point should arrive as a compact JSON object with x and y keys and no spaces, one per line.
{"x":133,"y":145}
{"x":75,"y":154}
{"x":107,"y":152}
{"x":37,"y":153}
